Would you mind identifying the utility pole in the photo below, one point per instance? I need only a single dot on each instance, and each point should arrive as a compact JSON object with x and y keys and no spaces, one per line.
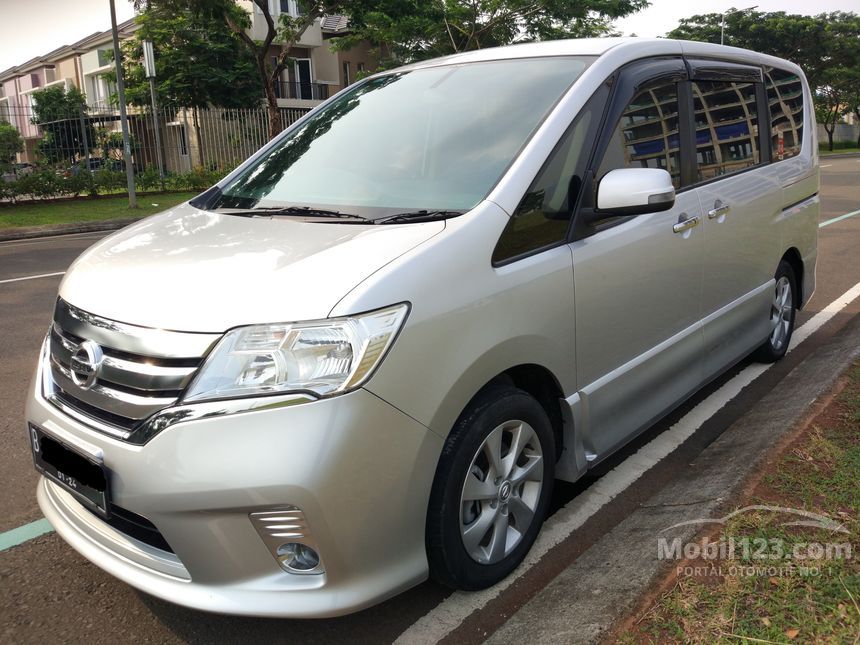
{"x":149,"y":69}
{"x":123,"y":117}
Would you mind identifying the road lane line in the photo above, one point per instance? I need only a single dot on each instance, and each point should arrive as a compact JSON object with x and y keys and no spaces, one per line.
{"x":451,"y":612}
{"x":25,"y":533}
{"x":825,"y":165}
{"x":32,"y":277}
{"x":839,"y":219}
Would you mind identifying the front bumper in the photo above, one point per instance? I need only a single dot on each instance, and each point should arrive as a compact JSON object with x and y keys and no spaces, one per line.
{"x":360,"y":469}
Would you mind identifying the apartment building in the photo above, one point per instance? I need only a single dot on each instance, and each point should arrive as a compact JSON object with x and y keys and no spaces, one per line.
{"x":315,"y":74}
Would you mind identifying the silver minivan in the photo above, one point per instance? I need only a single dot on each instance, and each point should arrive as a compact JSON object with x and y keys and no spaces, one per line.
{"x":364,"y":357}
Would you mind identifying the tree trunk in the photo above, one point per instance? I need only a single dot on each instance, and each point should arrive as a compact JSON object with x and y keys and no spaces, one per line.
{"x":275,"y":125}
{"x":829,"y":136}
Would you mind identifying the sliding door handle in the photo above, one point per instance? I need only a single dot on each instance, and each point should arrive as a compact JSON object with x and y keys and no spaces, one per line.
{"x":685,"y":223}
{"x":719,"y":209}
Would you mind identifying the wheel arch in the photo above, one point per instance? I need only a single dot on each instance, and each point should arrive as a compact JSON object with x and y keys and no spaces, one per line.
{"x":793,"y":257}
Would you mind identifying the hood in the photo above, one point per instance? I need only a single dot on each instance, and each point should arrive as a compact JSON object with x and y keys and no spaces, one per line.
{"x":193,"y":270}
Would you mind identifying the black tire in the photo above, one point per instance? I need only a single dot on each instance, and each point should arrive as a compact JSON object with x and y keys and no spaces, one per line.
{"x":771,"y":351}
{"x":450,"y":562}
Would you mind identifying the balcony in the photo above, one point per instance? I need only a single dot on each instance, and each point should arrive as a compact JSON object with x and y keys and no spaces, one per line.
{"x":302,"y":91}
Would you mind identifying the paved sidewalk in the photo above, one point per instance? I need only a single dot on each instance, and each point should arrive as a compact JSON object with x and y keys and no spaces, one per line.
{"x":605,"y":584}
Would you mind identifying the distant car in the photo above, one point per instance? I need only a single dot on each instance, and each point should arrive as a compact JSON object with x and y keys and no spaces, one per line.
{"x":17,"y":170}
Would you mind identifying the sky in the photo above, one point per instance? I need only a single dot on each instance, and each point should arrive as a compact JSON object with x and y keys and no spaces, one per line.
{"x":664,"y":15}
{"x":30,"y":28}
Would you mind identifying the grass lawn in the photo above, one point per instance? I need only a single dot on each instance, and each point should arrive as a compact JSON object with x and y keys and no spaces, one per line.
{"x":838,"y":151}
{"x":86,"y":210}
{"x":818,"y":472}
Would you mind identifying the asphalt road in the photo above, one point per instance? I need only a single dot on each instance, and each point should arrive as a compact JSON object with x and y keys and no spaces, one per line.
{"x":48,"y":592}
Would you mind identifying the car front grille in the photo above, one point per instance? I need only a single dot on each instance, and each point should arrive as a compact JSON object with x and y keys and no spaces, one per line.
{"x":142,"y":370}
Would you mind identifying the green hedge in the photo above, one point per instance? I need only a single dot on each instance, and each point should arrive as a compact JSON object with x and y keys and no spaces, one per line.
{"x":47,"y":184}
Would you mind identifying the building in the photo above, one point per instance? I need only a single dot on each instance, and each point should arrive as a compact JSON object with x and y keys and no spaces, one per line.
{"x":315,"y":74}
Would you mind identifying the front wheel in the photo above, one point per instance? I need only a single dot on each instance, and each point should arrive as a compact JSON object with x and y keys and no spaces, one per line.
{"x":782,"y":311}
{"x":491,"y":491}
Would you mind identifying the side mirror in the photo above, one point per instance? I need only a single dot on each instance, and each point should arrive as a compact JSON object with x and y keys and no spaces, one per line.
{"x":634,"y":191}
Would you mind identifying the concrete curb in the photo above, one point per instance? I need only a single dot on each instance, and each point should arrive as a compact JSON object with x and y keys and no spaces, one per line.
{"x":29,"y":232}
{"x":606,"y":582}
{"x":837,"y":155}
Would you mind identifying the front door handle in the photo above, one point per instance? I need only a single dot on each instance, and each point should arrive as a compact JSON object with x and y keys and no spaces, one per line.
{"x":685,"y":223}
{"x":719,"y":209}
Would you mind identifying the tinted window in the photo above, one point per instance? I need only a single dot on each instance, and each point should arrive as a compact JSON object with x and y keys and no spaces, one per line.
{"x":437,"y":138}
{"x":542,"y":218}
{"x":647,"y":134}
{"x":726,"y":127}
{"x":785,"y":98}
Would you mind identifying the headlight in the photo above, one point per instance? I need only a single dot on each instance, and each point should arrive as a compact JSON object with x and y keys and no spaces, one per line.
{"x":324,"y":357}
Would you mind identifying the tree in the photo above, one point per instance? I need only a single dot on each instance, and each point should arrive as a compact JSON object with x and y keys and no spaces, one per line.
{"x":826,"y":46}
{"x":281,"y":35}
{"x":407,"y":30}
{"x":199,"y":61}
{"x":403,"y":31}
{"x":801,"y":39}
{"x":10,"y":144}
{"x":62,"y":117}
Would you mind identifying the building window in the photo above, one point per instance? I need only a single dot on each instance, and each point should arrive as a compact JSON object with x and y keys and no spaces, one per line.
{"x":647,"y":134}
{"x":345,"y":73}
{"x":50,"y":75}
{"x":285,"y":6}
{"x":360,"y":68}
{"x":726,"y":116}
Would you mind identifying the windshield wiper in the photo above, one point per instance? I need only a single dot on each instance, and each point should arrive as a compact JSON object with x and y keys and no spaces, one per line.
{"x":418,"y":216}
{"x":300,"y":211}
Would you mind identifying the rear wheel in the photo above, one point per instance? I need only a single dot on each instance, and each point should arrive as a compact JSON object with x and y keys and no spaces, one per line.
{"x":782,"y":312}
{"x":491,"y":491}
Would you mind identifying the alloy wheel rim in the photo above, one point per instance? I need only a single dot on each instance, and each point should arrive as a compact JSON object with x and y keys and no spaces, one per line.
{"x":501,"y":492}
{"x":780,"y":313}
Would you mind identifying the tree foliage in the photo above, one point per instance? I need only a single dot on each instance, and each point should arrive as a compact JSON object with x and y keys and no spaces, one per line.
{"x":403,"y":31}
{"x":826,"y":46}
{"x":199,"y":61}
{"x":61,"y":115}
{"x":10,"y":144}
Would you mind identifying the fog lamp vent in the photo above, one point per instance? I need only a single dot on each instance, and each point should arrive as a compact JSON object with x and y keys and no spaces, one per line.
{"x":285,"y":533}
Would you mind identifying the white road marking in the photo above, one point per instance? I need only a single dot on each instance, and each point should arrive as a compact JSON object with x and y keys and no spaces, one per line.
{"x":825,"y":165}
{"x":50,"y":238}
{"x":839,"y":219}
{"x":32,"y":277}
{"x":451,"y":612}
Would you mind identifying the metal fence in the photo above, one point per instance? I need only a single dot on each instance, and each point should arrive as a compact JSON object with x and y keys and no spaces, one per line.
{"x":90,"y":137}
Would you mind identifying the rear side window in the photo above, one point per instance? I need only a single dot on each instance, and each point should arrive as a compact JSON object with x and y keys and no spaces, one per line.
{"x":647,"y":134}
{"x":726,"y":118}
{"x":785,"y":99}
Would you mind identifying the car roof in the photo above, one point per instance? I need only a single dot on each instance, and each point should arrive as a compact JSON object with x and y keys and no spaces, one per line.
{"x":621,"y":50}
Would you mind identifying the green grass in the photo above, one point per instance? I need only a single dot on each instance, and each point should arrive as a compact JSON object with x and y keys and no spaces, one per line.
{"x":86,"y":210}
{"x":819,"y":473}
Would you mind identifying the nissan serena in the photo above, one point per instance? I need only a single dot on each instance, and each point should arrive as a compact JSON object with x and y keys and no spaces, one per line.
{"x":364,"y":356}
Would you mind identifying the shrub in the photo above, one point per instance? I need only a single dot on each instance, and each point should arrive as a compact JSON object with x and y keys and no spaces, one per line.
{"x":148,"y":178}
{"x":45,"y":183}
{"x":82,"y":182}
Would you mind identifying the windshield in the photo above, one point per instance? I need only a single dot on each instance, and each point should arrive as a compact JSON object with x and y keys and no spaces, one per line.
{"x":435,"y":139}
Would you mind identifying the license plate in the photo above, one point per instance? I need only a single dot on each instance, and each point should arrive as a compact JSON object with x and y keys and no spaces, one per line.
{"x":71,"y":469}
